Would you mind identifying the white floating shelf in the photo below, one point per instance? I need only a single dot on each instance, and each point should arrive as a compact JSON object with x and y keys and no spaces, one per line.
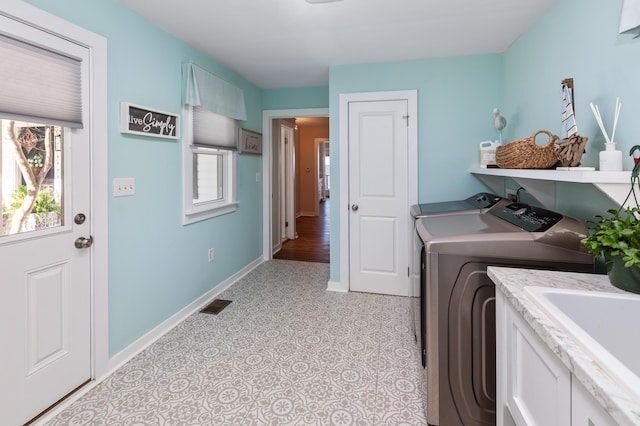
{"x":541,"y":183}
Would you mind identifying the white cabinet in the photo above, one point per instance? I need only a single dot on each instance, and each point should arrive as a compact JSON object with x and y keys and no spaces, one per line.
{"x":534,"y":386}
{"x":585,"y":410}
{"x":537,"y":385}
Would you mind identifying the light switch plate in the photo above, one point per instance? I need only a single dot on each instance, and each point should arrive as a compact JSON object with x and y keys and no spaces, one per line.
{"x":123,"y":187}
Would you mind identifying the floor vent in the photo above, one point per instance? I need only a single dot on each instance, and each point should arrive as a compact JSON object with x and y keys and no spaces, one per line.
{"x":215,"y":307}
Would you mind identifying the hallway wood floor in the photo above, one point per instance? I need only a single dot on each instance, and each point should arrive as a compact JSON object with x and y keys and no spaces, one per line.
{"x":312,"y":244}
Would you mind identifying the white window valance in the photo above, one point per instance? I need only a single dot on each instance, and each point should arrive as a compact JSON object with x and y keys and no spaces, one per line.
{"x":39,"y":85}
{"x":206,"y":90}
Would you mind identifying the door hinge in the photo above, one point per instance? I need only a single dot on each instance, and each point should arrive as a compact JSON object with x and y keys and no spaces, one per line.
{"x":286,"y":224}
{"x":406,"y":117}
{"x":408,"y":271}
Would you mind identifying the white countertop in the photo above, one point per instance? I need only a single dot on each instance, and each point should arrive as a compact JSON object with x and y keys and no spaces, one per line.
{"x":511,"y":282}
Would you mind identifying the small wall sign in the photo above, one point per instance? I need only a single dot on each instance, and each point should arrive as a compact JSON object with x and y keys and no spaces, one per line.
{"x":249,"y":142}
{"x":139,"y":120}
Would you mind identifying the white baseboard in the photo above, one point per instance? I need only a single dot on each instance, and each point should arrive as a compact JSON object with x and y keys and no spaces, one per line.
{"x":142,"y":343}
{"x":337,"y":286}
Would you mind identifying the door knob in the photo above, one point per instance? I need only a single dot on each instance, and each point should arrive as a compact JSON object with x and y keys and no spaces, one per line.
{"x":354,"y":207}
{"x":83,"y":242}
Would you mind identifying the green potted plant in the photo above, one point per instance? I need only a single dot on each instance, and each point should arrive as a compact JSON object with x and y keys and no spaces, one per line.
{"x":616,"y":236}
{"x":44,"y":210}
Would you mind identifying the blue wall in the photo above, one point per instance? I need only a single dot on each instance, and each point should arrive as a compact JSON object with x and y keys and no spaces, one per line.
{"x":456,"y":97}
{"x":157,"y":266}
{"x":580,"y":40}
{"x":295,"y":98}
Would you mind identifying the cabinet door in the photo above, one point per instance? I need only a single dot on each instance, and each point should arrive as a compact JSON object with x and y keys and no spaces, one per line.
{"x":538,"y":384}
{"x":585,"y":409}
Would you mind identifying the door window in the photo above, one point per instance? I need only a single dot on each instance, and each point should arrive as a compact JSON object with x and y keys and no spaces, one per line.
{"x":31,"y":166}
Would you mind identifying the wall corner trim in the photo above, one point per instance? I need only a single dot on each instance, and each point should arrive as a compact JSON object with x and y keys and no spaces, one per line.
{"x":337,"y":287}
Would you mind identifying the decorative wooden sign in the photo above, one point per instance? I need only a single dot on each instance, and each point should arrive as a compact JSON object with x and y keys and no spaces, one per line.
{"x":249,"y":142}
{"x":139,"y":120}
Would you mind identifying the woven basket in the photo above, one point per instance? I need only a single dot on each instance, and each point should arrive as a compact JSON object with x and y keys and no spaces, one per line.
{"x":525,"y":154}
{"x":570,"y":150}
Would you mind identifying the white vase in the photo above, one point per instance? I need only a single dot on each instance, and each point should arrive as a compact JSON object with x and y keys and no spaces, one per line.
{"x":610,"y":159}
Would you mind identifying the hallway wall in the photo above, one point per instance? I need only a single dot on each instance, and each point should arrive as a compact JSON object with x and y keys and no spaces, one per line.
{"x":306,"y":166}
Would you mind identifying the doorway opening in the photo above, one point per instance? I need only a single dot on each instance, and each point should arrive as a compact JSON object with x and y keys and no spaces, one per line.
{"x":312,"y":242}
{"x":298,"y":191}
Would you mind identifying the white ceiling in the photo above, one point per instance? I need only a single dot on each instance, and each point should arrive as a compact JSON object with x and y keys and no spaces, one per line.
{"x":291,"y":43}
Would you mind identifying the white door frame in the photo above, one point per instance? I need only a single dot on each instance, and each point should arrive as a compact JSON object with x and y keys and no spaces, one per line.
{"x":288,"y":177}
{"x":412,"y":167}
{"x":97,"y":46}
{"x":267,"y":118}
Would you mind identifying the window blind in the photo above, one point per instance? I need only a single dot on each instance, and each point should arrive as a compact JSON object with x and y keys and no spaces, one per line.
{"x":39,"y":85}
{"x":204,"y":89}
{"x":213,"y":130}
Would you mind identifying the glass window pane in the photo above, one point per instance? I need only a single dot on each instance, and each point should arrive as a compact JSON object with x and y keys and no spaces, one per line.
{"x":31,"y":161}
{"x":207,"y":184}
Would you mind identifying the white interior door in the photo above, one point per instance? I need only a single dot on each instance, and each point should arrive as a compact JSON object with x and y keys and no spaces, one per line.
{"x":45,"y":307}
{"x":378,"y":196}
{"x":288,"y":180}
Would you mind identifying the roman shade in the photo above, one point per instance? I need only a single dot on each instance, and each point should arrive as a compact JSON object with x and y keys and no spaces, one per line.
{"x":208,"y":91}
{"x":39,"y":85}
{"x":212,"y":130}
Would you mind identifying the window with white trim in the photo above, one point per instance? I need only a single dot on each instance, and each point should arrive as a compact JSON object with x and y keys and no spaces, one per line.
{"x":209,"y":163}
{"x":212,"y":107}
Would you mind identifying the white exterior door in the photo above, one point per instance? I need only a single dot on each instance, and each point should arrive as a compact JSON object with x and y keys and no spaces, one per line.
{"x":379,"y":243}
{"x":45,"y":305}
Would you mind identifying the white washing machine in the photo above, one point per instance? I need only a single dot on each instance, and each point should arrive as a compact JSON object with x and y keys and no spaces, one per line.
{"x":458,"y":298}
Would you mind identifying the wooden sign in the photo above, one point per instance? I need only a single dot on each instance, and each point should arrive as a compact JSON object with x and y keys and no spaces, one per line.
{"x":249,"y":142}
{"x":139,"y":120}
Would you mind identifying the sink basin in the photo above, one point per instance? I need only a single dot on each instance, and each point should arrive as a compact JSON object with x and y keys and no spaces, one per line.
{"x":604,"y":324}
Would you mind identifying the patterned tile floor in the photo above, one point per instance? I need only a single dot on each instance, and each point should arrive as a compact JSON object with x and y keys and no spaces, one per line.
{"x":285,"y":352}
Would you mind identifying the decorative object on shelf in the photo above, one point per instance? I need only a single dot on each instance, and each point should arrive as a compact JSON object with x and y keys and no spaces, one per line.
{"x":617,"y":238}
{"x":571,"y":147}
{"x":488,"y":153}
{"x":610,"y":158}
{"x":499,"y":122}
{"x":526,"y":154}
{"x":569,"y":125}
{"x":570,"y":150}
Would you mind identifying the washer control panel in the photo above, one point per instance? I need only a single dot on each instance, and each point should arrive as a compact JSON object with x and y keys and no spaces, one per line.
{"x":529,"y":218}
{"x":483,"y":200}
